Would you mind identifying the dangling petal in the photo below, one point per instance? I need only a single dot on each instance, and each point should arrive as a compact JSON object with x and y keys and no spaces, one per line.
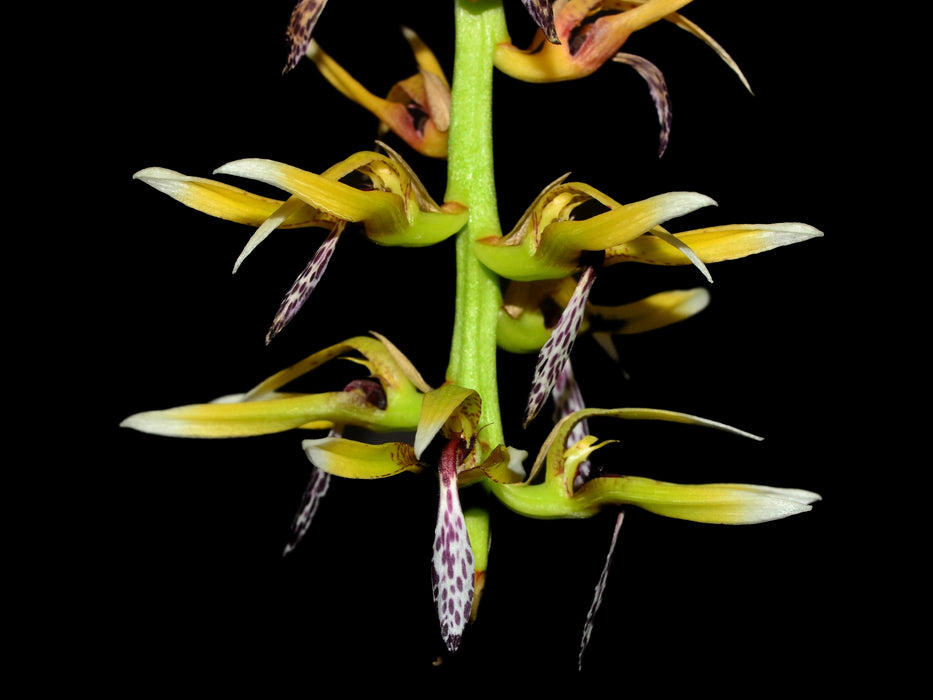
{"x":310,"y":499}
{"x":556,"y":351}
{"x":600,"y":588}
{"x":303,"y":286}
{"x":453,"y":564}
{"x":658,"y":89}
{"x":300,"y":26}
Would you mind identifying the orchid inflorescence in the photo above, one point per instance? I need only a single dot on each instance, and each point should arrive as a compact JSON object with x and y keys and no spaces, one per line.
{"x":522,"y":291}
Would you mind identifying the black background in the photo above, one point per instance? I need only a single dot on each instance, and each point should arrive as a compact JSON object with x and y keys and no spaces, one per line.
{"x":173,"y":559}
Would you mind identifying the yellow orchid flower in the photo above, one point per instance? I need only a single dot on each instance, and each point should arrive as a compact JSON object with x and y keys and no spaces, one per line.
{"x":416,"y":109}
{"x":396,"y":209}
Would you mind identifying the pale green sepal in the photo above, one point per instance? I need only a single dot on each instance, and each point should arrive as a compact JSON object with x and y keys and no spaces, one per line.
{"x":360,"y":460}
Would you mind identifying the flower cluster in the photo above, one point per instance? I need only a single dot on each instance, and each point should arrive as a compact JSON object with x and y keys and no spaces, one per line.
{"x":523,"y":291}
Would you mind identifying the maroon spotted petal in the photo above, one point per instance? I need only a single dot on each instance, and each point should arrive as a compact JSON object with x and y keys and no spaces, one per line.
{"x":453,"y":565}
{"x":659,"y":95}
{"x":314,"y":492}
{"x":300,"y":26}
{"x":556,"y":351}
{"x":303,"y":286}
{"x":600,"y":588}
{"x":543,"y":15}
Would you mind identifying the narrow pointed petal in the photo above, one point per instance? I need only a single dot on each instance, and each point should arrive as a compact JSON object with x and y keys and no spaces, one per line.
{"x":300,"y":27}
{"x":303,"y":286}
{"x":600,"y":589}
{"x":713,"y":244}
{"x":556,"y":351}
{"x":310,"y":500}
{"x":657,"y":86}
{"x":289,"y":208}
{"x":453,"y":566}
{"x":360,"y":460}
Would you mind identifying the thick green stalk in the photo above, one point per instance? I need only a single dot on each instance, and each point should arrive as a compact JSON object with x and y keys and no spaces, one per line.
{"x":480,"y":25}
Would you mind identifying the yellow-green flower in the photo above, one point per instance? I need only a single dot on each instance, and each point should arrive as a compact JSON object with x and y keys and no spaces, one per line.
{"x":562,"y":495}
{"x":395,"y":209}
{"x":549,"y":251}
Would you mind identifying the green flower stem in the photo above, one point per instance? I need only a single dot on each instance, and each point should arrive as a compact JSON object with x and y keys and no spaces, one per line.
{"x":480,"y":26}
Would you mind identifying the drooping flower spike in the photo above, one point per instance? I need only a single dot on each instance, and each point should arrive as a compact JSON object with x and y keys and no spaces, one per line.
{"x":416,"y":109}
{"x":396,"y":209}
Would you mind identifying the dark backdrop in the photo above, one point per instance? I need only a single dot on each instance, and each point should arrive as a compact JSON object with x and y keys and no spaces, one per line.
{"x":181,"y":573}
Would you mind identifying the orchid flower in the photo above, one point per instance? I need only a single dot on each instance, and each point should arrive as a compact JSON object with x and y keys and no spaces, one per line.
{"x":549,"y":244}
{"x":526,"y":291}
{"x":417,"y":109}
{"x":582,"y":35}
{"x":396,"y":210}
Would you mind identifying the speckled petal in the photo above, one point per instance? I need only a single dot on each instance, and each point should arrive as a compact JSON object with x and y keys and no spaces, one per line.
{"x":300,"y":26}
{"x":453,"y":565}
{"x":556,"y":351}
{"x":303,"y":286}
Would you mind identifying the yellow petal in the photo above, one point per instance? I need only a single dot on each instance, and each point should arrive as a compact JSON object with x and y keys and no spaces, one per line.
{"x":655,"y":311}
{"x":360,"y":460}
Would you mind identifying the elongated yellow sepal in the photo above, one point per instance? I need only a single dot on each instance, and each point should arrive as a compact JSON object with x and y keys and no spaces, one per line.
{"x":713,"y":244}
